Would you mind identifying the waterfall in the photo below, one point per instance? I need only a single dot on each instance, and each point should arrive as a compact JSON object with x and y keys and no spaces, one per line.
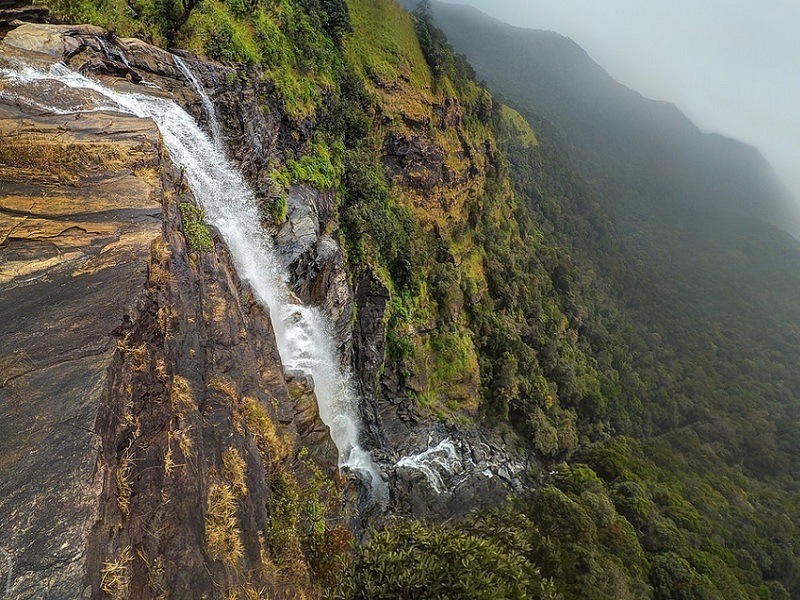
{"x":208,"y":106}
{"x":302,"y":332}
{"x":111,"y":52}
{"x":432,"y":462}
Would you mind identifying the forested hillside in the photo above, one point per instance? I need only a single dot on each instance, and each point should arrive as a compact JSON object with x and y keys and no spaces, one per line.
{"x":541,"y":277}
{"x":710,"y":295}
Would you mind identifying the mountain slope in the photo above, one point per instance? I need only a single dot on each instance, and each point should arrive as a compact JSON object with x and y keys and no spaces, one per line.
{"x":615,"y":135}
{"x":708,"y":290}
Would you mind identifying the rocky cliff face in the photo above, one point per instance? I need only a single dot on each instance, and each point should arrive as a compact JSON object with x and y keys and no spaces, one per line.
{"x":150,"y":439}
{"x":150,"y":442}
{"x":79,"y":210}
{"x":436,"y":169}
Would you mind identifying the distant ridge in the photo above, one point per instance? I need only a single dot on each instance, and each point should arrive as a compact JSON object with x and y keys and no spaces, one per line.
{"x":629,"y":144}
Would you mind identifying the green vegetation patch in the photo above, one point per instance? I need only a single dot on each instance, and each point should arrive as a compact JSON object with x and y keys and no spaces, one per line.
{"x":295,"y":42}
{"x":384,"y":44}
{"x":513,"y":127}
{"x":197,"y":234}
{"x":412,"y":561}
{"x":278,"y":210}
{"x":321,"y":167}
{"x":378,"y":230}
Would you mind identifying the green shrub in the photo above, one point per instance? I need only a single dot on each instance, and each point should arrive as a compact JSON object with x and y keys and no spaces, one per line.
{"x":376,"y":226}
{"x":278,"y":210}
{"x":398,"y":346}
{"x":75,"y":11}
{"x":320,"y":167}
{"x":221,"y":35}
{"x":411,"y":561}
{"x":194,"y":229}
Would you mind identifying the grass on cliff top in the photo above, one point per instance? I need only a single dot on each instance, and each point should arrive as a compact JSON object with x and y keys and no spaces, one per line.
{"x":384,"y":44}
{"x":513,"y":126}
{"x":281,"y":37}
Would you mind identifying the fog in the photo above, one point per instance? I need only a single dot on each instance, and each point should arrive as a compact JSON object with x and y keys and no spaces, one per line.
{"x":733,"y":67}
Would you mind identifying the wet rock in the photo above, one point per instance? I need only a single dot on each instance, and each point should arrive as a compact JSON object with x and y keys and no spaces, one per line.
{"x":302,"y":227}
{"x":320,"y":278}
{"x":369,"y":335}
{"x":54,"y":41}
{"x":314,"y":434}
{"x":443,"y":471}
{"x":149,"y":59}
{"x":315,"y":262}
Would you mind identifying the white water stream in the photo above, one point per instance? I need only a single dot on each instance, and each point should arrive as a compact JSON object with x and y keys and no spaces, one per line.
{"x":302,"y":332}
{"x":433,"y":462}
{"x":208,"y":106}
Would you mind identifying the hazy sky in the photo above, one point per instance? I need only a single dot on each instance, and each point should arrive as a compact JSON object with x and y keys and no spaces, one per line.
{"x":732,"y":66}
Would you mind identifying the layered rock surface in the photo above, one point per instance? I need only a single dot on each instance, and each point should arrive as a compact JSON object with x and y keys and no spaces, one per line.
{"x":78,"y":212}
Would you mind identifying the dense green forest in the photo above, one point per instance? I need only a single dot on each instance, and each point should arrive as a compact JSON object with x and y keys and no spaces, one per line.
{"x":643,"y":350}
{"x":707,"y":296}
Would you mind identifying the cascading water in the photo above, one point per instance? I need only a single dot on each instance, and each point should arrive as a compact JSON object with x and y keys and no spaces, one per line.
{"x":302,"y":332}
{"x":432,"y":463}
{"x":208,"y":106}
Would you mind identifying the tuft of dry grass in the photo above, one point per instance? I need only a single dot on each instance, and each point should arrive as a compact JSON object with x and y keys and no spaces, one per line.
{"x":251,"y":593}
{"x":266,"y":569}
{"x":158,"y":268}
{"x":155,"y":575}
{"x":122,"y":477}
{"x":228,"y":389}
{"x":181,"y":436}
{"x":223,"y":537}
{"x":272,"y":448}
{"x":138,"y":354}
{"x":159,"y":251}
{"x":233,"y":469}
{"x":169,"y":462}
{"x":115,"y":580}
{"x":181,"y":395}
{"x":161,"y":369}
{"x":184,"y":441}
{"x":224,"y":386}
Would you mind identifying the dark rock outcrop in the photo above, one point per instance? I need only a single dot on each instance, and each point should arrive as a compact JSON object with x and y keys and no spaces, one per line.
{"x":415,"y":162}
{"x":20,"y":10}
{"x":315,"y":262}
